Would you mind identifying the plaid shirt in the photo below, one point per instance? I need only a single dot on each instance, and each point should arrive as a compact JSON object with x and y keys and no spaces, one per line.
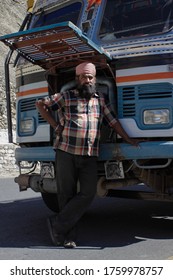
{"x":82,"y":121}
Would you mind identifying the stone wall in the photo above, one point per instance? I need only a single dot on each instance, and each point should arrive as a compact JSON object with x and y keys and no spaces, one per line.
{"x":8,"y":168}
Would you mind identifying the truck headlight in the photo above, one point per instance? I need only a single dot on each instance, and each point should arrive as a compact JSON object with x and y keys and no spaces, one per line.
{"x":27,"y":126}
{"x":157,"y":116}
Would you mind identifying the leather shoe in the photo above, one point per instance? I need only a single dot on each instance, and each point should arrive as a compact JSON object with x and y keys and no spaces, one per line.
{"x":57,"y":239}
{"x":69,"y":244}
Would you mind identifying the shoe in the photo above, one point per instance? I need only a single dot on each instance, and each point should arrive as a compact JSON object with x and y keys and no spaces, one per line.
{"x":57,"y":239}
{"x":69,"y":244}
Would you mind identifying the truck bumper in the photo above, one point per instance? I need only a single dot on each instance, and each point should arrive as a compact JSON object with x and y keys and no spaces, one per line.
{"x":108,"y":151}
{"x":145,"y":150}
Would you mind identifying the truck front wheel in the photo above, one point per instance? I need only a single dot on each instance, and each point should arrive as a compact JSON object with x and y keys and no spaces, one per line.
{"x":51,"y":201}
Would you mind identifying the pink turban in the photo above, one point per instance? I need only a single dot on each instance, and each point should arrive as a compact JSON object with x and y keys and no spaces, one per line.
{"x":86,"y":68}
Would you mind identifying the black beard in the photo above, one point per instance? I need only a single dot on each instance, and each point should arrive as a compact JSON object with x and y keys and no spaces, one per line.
{"x":86,"y":90}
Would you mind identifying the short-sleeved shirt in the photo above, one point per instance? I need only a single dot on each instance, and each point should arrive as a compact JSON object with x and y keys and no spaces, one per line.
{"x":82,"y":121}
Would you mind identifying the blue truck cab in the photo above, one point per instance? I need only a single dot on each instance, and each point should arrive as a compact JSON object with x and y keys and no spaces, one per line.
{"x":130,"y":43}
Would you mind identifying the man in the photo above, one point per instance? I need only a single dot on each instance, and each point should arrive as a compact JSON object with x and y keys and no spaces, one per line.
{"x":81,"y":112}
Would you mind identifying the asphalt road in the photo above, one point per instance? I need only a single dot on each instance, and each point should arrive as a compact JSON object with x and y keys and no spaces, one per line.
{"x":112,"y":229}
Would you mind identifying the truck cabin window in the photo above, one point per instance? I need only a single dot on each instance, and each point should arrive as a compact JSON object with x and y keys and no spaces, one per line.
{"x":124,"y":18}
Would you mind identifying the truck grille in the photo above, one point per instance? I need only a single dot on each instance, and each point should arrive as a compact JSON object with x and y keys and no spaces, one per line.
{"x":27,"y":105}
{"x":132,"y":96}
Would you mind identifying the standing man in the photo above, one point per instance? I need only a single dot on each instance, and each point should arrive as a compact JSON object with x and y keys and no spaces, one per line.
{"x":81,"y":112}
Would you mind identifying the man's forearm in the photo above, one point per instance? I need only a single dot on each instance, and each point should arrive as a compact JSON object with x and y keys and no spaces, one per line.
{"x":46,"y":115}
{"x":120,"y":130}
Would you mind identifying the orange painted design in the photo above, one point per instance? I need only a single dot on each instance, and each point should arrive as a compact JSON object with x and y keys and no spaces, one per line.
{"x":93,"y":2}
{"x":143,"y":77}
{"x":32,"y":91}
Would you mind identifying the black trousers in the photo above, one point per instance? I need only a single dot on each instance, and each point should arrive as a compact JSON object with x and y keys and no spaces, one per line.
{"x":76,"y":187}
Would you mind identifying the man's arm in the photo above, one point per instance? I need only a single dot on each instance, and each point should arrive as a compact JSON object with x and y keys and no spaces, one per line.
{"x":120,"y":130}
{"x":45,"y":113}
{"x":116,"y":125}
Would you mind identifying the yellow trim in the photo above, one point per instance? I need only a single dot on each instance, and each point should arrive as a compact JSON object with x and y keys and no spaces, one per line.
{"x":30,"y":4}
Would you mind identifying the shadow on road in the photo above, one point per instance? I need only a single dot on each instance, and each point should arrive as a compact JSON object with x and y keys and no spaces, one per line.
{"x":23,"y":223}
{"x":110,"y":222}
{"x":121,"y":222}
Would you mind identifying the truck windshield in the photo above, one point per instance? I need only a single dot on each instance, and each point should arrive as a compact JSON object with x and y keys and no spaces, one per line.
{"x":67,"y":13}
{"x":134,"y":18}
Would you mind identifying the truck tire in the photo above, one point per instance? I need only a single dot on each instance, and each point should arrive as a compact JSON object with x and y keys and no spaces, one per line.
{"x":51,"y":201}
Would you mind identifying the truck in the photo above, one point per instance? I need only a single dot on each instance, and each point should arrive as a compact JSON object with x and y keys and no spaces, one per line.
{"x":131,"y":44}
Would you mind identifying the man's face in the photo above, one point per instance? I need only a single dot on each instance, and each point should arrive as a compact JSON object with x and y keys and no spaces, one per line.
{"x":85,"y":79}
{"x":86,"y":85}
